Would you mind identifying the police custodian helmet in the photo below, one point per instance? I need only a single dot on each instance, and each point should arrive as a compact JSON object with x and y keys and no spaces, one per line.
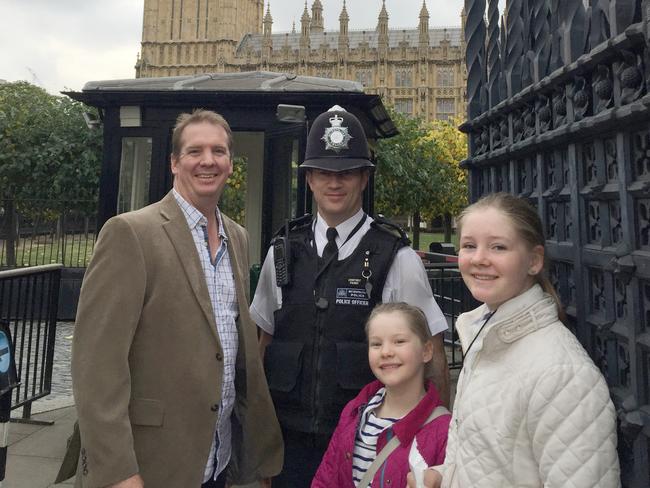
{"x":337,"y":142}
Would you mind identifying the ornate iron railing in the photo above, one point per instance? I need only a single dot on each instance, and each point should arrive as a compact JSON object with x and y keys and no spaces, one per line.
{"x":559,"y":113}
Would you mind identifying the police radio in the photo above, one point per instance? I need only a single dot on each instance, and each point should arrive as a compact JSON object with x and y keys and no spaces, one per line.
{"x":282,"y":258}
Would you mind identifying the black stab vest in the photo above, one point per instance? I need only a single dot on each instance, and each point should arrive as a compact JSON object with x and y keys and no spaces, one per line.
{"x":318,"y":359}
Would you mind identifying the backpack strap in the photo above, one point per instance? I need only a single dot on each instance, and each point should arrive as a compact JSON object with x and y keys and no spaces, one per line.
{"x":390,"y":446}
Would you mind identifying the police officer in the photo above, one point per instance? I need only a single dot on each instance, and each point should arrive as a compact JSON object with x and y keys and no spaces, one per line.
{"x":320,"y":279}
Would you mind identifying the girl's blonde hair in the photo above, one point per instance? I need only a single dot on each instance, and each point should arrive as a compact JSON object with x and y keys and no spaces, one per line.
{"x":527,"y":225}
{"x":415,"y":319}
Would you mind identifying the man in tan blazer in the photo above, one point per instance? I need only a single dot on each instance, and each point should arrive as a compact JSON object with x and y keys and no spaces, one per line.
{"x":167,"y":381}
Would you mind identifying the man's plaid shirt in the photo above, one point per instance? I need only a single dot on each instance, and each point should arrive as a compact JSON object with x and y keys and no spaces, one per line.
{"x":221,"y":286}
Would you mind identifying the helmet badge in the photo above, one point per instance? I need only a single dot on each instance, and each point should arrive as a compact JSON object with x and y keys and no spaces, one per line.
{"x":336,"y":137}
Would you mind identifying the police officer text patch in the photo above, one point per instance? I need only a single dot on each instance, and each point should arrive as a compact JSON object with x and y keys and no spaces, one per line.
{"x":351,"y":296}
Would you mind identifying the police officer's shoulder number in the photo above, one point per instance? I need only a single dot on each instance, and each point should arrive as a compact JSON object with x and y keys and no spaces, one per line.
{"x":382,"y":224}
{"x":294,"y":224}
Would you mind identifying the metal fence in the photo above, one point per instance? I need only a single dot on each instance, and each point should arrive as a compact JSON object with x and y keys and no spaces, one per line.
{"x":37,"y":232}
{"x":28,"y":303}
{"x":454,"y":298}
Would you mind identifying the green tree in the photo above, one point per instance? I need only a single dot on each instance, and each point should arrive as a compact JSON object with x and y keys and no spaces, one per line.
{"x":417,"y":173}
{"x":47,"y":152}
{"x":46,"y":149}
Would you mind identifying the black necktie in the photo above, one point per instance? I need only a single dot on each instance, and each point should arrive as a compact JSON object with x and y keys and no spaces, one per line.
{"x":331,"y":249}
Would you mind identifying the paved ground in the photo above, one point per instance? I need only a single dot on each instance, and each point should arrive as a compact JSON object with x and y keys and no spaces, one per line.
{"x":35,"y":451}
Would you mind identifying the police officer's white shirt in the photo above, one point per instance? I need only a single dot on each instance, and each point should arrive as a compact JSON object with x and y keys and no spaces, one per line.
{"x":406,"y":280}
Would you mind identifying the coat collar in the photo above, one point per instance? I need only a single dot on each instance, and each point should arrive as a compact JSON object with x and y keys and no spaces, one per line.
{"x":532,"y":310}
{"x":405,"y":428}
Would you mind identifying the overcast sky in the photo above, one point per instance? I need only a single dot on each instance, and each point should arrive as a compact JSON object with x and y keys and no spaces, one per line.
{"x":61,"y":44}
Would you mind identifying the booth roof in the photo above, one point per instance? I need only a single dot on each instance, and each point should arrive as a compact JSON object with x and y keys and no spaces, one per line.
{"x":251,"y":81}
{"x":254,"y":88}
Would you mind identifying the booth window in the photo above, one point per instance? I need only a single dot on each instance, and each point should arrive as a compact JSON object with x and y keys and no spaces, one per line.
{"x":295,"y":158}
{"x":135,"y":168}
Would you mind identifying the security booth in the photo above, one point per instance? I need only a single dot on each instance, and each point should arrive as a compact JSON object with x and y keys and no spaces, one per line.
{"x":269,"y":114}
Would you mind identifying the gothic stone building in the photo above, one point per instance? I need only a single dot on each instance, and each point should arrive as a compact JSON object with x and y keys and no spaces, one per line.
{"x":419,"y":71}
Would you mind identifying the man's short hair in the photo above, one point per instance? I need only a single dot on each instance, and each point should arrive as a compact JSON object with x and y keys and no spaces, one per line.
{"x":196,"y":117}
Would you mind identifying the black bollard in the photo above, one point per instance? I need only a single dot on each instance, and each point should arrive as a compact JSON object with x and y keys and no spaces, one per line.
{"x":5,"y":413}
{"x":8,"y":381}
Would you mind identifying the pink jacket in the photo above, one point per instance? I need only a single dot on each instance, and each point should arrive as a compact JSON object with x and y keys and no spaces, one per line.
{"x":336,"y":467}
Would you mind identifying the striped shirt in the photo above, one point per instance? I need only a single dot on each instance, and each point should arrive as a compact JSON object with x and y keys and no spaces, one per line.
{"x":365,"y":443}
{"x":221,"y":287}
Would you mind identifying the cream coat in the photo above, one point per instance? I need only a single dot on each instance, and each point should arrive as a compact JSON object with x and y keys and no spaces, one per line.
{"x":147,"y":361}
{"x":534,"y":411}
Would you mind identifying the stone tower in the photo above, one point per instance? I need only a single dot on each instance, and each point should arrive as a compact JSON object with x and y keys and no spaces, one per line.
{"x":195,"y":32}
{"x":317,"y":26}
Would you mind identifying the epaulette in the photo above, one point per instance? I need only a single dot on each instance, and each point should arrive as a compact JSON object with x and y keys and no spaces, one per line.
{"x":294,"y":224}
{"x":381,"y":223}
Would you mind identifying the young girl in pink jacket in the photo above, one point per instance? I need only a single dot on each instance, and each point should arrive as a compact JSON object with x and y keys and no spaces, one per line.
{"x":400,"y":403}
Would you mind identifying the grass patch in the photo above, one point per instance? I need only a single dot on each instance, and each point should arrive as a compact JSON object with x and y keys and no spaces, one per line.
{"x":71,"y":250}
{"x":75,"y":250}
{"x":427,"y":238}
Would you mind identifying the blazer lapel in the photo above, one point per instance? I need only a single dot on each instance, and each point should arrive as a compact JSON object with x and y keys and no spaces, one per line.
{"x":175,"y":226}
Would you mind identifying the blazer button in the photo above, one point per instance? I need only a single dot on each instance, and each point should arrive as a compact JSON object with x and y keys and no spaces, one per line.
{"x":219,"y":356}
{"x":215,"y":407}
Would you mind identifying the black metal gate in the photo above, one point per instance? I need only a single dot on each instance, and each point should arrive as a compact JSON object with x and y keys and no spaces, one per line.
{"x":559,"y":113}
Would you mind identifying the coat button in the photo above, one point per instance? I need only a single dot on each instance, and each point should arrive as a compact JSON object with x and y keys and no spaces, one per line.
{"x":219,"y":356}
{"x":215,"y":407}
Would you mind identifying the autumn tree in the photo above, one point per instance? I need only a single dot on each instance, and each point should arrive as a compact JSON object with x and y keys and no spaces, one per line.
{"x":450,"y":150}
{"x":406,"y":172}
{"x":233,"y":199}
{"x":418,"y":172}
